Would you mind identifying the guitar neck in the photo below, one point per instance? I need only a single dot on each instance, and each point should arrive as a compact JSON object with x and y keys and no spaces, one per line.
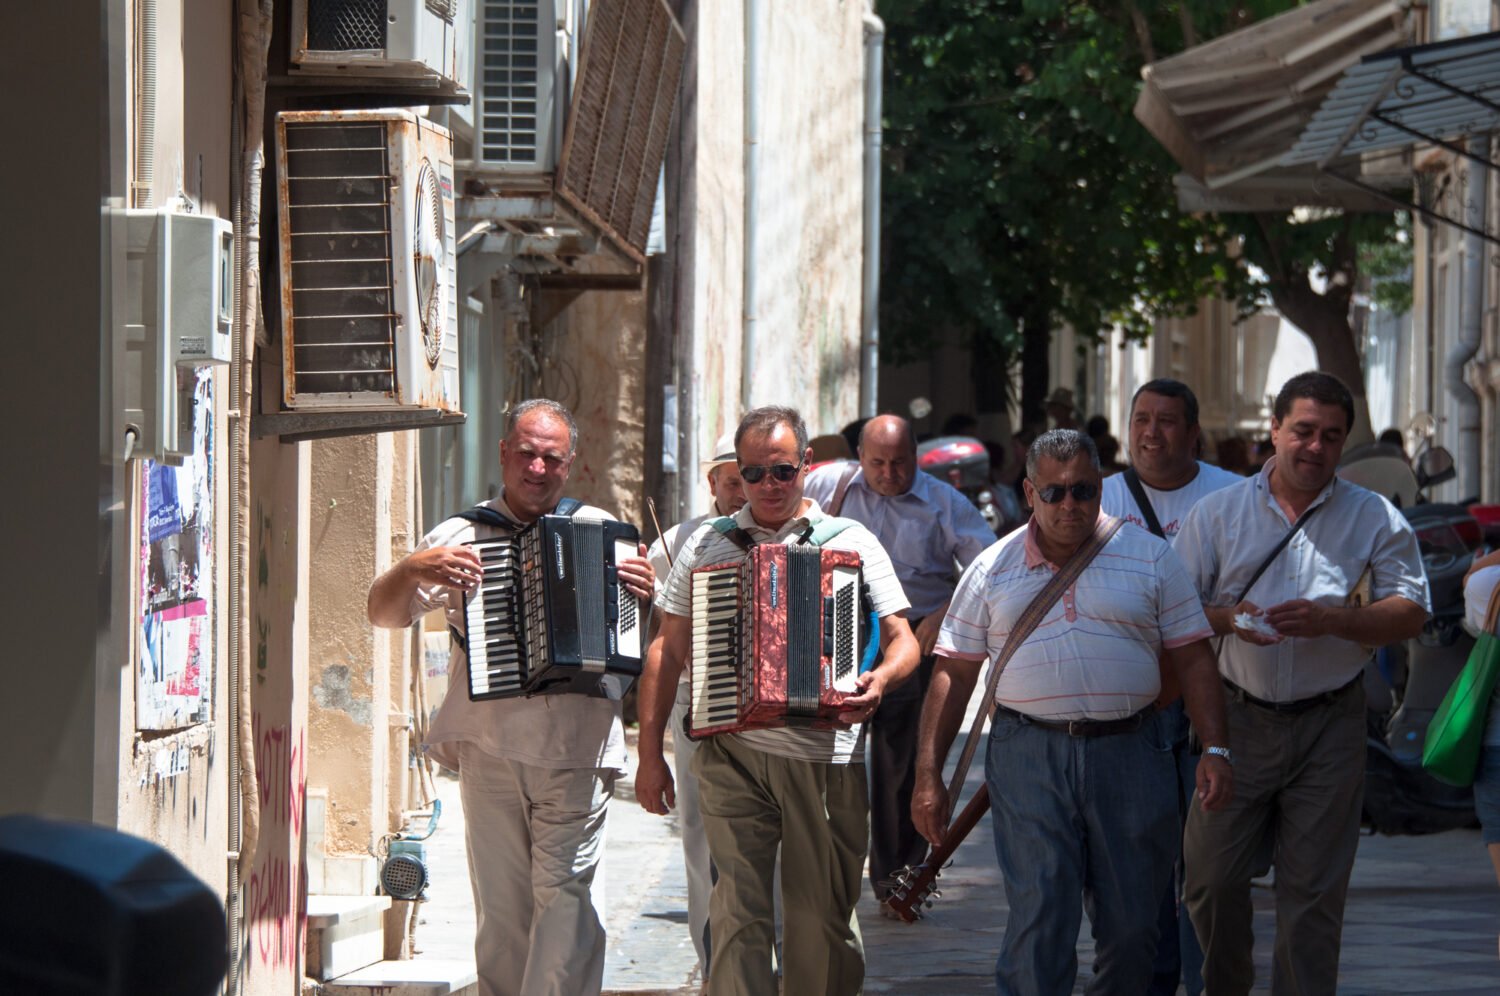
{"x":915,"y":884}
{"x":959,"y":829}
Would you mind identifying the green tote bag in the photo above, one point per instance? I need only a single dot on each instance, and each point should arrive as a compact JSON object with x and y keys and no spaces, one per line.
{"x":1455,"y":736}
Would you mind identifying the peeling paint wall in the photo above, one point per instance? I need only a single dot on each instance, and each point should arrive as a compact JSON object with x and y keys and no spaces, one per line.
{"x":597,"y":366}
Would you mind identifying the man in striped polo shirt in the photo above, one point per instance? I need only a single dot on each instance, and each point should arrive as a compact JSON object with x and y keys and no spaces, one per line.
{"x":802,"y":790}
{"x":1079,"y":767}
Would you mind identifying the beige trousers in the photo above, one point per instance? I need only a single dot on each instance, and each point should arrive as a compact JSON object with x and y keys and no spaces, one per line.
{"x":818,"y":814}
{"x":535,"y":837}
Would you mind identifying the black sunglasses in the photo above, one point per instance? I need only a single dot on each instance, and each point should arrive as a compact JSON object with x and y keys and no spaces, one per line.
{"x":783,"y":472}
{"x":1082,"y":491}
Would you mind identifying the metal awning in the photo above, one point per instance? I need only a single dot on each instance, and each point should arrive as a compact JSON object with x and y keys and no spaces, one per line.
{"x":1438,"y":94}
{"x":1229,"y":110}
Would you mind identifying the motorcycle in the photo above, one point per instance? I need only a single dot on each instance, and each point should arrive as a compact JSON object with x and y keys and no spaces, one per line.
{"x":1405,"y":683}
{"x":964,"y":462}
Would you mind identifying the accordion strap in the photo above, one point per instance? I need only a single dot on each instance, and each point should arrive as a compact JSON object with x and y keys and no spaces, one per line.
{"x":1030,"y":618}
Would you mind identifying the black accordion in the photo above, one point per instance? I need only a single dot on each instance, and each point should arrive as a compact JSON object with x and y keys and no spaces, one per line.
{"x":550,"y":614}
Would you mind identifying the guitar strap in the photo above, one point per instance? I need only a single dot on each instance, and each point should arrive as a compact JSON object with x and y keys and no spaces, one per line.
{"x":1029,"y":619}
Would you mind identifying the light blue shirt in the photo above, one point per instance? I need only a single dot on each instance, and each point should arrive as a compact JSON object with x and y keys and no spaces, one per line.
{"x":924,"y":530}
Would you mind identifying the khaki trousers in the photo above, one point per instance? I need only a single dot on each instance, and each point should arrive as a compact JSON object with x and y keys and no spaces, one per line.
{"x":535,"y":837}
{"x":1302,"y":777}
{"x":818,"y":814}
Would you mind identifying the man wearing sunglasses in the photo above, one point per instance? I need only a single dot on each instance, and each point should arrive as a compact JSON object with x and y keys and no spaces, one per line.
{"x":1078,"y":767}
{"x":927,"y":526}
{"x":797,"y":789}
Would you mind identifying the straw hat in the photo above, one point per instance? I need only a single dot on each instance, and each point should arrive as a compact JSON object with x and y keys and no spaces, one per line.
{"x":723,"y":453}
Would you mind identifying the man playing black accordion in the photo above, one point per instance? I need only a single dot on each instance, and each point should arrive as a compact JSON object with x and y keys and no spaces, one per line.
{"x":800,"y":787}
{"x":536,"y":772}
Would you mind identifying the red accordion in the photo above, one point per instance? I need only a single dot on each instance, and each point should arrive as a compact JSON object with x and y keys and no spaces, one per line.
{"x":778,"y":639}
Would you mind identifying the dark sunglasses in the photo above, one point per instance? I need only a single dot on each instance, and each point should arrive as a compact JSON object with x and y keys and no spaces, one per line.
{"x":1082,"y":491}
{"x":783,"y":472}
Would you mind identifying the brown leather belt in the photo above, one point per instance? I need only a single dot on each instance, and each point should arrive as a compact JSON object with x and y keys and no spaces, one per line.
{"x":1294,"y":708}
{"x":1084,"y":727}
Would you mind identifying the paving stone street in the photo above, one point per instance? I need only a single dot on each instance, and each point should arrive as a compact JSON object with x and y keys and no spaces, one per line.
{"x":1423,"y":914}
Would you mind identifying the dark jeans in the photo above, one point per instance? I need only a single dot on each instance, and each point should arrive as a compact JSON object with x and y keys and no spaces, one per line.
{"x":1178,"y":955}
{"x":891,"y":742}
{"x":1081,"y":824}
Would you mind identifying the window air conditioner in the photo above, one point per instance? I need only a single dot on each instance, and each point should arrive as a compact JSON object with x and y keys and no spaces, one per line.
{"x":522,"y":50}
{"x":369,"y":312}
{"x":405,"y":39}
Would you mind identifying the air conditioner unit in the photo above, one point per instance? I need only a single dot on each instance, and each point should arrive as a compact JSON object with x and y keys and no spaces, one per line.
{"x":407,"y":39}
{"x":369,"y":311}
{"x":579,"y":110}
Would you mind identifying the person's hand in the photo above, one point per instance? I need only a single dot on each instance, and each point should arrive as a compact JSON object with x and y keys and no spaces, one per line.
{"x":1215,"y":783}
{"x":862,"y":704}
{"x":1299,"y":617}
{"x":929,"y":807}
{"x":654,"y":788}
{"x":1254,"y":636}
{"x":454,"y":567}
{"x":637,"y":575}
{"x":927,"y":632}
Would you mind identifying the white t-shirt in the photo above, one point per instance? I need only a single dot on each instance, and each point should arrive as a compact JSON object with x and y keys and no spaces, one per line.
{"x":708,"y":546}
{"x":1171,"y":507}
{"x":548,"y":731}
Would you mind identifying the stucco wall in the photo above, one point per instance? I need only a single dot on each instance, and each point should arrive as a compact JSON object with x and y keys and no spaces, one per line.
{"x":809,"y":200}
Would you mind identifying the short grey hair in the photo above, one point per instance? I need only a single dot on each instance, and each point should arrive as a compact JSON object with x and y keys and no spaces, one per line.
{"x":765,"y":419}
{"x":1062,"y":445}
{"x":550,"y":408}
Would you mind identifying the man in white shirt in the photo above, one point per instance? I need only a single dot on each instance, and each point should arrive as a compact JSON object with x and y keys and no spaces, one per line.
{"x":728,"y":493}
{"x":928,"y":527}
{"x":535,"y":774}
{"x":1164,"y":436}
{"x":1080,"y":779}
{"x":1292,"y":661}
{"x":800,"y":789}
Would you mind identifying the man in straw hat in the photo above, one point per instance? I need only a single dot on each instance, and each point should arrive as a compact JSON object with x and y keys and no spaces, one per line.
{"x":727,"y":491}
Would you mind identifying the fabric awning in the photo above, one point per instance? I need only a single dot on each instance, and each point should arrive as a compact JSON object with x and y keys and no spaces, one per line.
{"x":1230,"y":109}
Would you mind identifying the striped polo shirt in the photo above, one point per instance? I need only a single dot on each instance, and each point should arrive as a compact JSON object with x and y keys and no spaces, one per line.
{"x":1094,"y":655}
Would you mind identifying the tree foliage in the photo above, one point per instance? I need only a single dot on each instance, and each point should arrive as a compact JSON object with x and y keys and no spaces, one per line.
{"x":1021,"y":194}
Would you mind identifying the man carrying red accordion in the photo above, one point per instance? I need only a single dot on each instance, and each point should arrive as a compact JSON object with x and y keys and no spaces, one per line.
{"x":799,"y":786}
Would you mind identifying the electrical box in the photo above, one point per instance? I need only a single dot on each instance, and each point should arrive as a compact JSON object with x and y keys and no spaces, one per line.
{"x":174,"y":316}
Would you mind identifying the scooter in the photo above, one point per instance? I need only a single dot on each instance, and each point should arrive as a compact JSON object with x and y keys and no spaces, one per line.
{"x":964,"y":462}
{"x":1405,"y":683}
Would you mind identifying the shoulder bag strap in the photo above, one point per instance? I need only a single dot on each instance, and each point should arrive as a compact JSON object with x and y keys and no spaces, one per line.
{"x":1280,"y":545}
{"x":1133,"y":482}
{"x":836,"y":503}
{"x":1492,"y":617}
{"x":1029,"y":619}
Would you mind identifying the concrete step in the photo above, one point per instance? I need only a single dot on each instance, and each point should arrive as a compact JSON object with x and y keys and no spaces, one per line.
{"x":344,"y":933}
{"x":418,"y":977}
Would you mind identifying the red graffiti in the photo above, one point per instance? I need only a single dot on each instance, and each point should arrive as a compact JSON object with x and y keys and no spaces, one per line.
{"x":280,"y":766}
{"x":277,"y":912}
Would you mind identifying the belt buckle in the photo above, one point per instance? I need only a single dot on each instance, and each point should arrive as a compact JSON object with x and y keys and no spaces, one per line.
{"x":1076,"y":727}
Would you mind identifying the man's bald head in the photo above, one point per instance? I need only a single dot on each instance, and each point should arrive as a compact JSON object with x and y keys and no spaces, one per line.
{"x":888,"y":454}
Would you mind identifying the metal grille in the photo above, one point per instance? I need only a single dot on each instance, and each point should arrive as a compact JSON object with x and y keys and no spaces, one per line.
{"x":345,"y":25}
{"x":627,"y":84}
{"x":338,"y":200}
{"x":510,"y":41}
{"x":446,"y":9}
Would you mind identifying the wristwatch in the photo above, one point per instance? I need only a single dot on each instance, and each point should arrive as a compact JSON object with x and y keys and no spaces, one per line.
{"x":1221,"y":752}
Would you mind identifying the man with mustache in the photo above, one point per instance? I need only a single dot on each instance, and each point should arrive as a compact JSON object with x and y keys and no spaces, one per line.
{"x":1291,"y":661}
{"x":1079,"y":771}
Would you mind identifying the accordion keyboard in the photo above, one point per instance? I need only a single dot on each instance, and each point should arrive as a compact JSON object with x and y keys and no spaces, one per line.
{"x":846,"y":649}
{"x":715,"y":667}
{"x":496,"y":664}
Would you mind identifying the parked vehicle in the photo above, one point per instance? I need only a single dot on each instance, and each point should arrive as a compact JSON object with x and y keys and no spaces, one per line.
{"x":964,"y":462}
{"x":1404,"y":684}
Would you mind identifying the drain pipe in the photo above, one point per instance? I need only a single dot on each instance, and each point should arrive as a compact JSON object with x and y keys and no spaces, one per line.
{"x":145,"y":139}
{"x":752,"y":94}
{"x":1467,"y":452}
{"x":869,"y":343}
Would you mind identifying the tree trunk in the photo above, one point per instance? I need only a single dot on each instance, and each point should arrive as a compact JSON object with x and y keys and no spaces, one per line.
{"x":1036,"y":364}
{"x":1327,"y":325}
